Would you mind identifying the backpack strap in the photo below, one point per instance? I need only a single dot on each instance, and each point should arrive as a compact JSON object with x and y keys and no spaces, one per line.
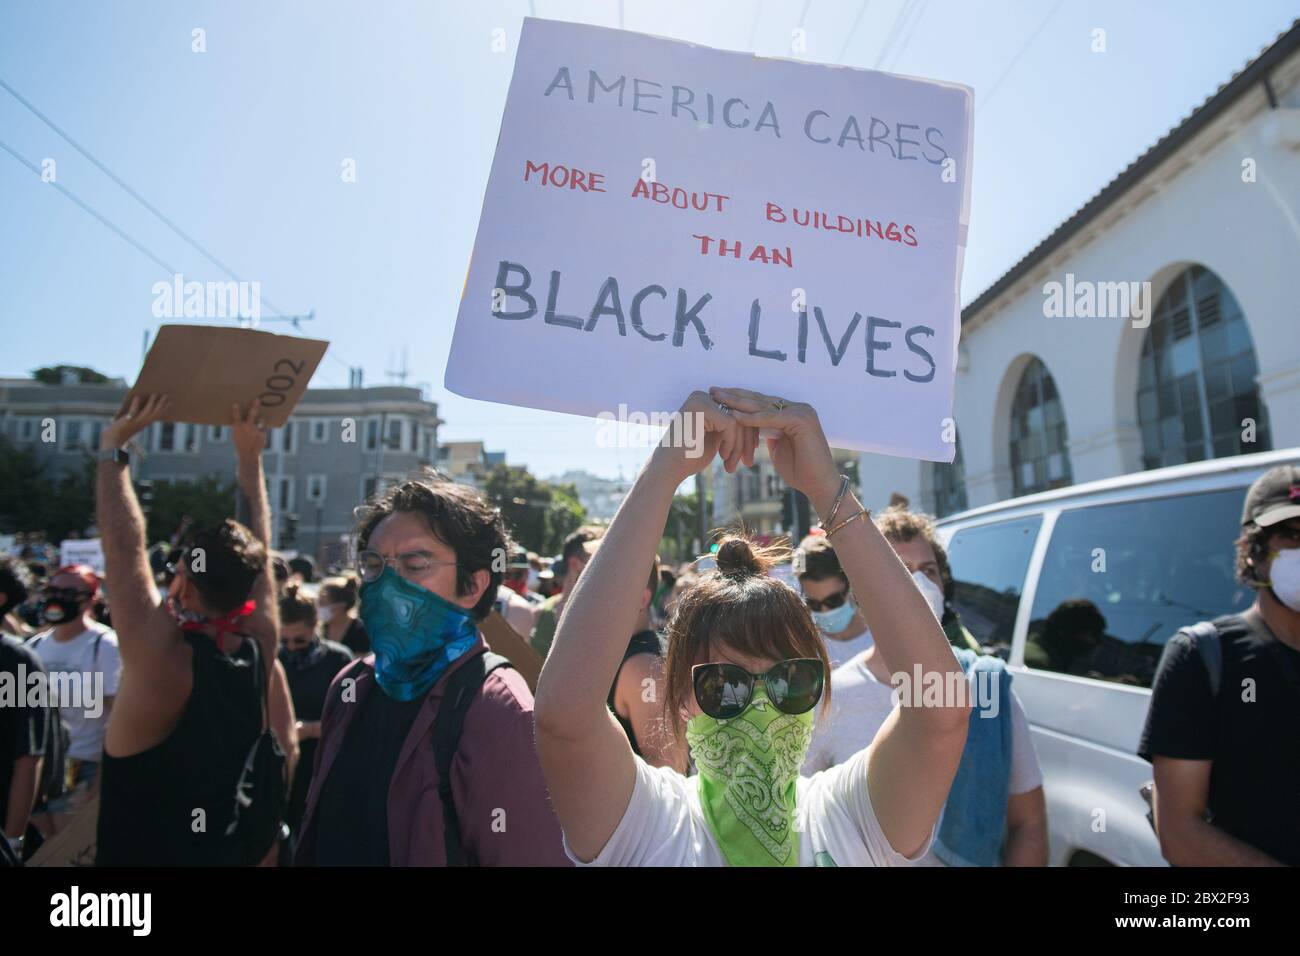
{"x":462,"y":687}
{"x":94,"y":649}
{"x":1204,"y":637}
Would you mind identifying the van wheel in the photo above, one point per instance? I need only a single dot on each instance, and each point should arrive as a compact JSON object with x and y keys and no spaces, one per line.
{"x":1084,"y":858}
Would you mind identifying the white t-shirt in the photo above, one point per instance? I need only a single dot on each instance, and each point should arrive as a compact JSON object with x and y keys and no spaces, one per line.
{"x":841,"y":652}
{"x":859,"y":705}
{"x":664,"y":824}
{"x":519,"y":613}
{"x":82,"y":695}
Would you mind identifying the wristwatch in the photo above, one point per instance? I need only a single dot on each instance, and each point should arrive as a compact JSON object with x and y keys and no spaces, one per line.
{"x":119,"y":456}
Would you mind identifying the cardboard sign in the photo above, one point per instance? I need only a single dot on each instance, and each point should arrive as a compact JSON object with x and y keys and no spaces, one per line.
{"x":82,"y":551}
{"x":205,"y":369}
{"x":75,"y":844}
{"x":505,"y":640}
{"x":661,"y":217}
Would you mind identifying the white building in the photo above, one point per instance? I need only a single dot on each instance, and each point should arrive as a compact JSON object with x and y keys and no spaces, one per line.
{"x":600,"y":496}
{"x":1210,"y":217}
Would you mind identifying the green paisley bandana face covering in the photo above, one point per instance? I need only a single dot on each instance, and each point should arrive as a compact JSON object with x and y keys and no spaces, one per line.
{"x":748,"y":769}
{"x":414,"y":633}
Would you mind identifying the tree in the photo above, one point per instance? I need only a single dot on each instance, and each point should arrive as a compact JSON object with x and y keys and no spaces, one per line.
{"x":206,"y":502}
{"x":537,"y":514}
{"x":53,"y":375}
{"x":683,"y":528}
{"x":23,"y":489}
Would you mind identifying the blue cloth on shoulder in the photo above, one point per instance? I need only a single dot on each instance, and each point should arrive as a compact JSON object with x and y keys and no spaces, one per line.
{"x":975,"y":817}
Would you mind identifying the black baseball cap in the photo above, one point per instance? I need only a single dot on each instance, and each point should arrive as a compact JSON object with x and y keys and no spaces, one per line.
{"x":1274,"y":497}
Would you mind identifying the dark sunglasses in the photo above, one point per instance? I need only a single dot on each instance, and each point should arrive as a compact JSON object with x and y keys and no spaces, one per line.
{"x":828,"y":603}
{"x":725,"y":690}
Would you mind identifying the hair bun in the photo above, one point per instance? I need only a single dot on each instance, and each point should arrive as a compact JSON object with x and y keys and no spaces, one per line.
{"x":737,"y":559}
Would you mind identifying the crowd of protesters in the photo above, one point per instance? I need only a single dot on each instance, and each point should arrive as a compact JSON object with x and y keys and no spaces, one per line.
{"x":237,"y":708}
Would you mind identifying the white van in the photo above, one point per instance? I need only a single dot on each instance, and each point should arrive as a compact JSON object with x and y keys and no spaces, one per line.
{"x":1079,"y":589}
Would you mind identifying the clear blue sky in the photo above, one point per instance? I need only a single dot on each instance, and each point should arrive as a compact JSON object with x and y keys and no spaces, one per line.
{"x":242,"y":147}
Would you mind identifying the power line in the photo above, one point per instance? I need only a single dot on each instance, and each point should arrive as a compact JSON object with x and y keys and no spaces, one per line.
{"x":804,"y":16}
{"x":907,"y":38}
{"x":1016,"y":59}
{"x":894,"y":29}
{"x":88,"y":208}
{"x":138,"y":198}
{"x":852,"y":30}
{"x":753,"y":27}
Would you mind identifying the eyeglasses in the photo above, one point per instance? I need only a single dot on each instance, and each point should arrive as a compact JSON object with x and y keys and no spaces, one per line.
{"x":726,"y":690}
{"x":827,"y":603}
{"x":371,"y":564}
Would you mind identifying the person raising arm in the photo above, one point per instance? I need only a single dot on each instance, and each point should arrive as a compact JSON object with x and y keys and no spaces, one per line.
{"x":745,"y":668}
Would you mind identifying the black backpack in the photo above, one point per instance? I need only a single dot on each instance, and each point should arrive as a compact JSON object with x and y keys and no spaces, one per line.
{"x":54,"y":781}
{"x":261,"y":794}
{"x":462,"y":686}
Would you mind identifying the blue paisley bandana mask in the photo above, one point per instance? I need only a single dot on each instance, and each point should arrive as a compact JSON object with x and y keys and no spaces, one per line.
{"x":749,"y":765}
{"x":414,"y":633}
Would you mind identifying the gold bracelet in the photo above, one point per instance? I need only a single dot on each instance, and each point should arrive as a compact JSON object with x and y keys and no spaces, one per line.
{"x":844,"y":486}
{"x":854,"y":517}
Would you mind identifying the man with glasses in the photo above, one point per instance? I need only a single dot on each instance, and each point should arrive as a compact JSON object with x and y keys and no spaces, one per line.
{"x":578,"y":549}
{"x":426,"y":754}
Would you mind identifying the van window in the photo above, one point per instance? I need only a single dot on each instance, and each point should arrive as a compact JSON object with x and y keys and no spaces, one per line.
{"x":1119,"y":580}
{"x":988,"y":564}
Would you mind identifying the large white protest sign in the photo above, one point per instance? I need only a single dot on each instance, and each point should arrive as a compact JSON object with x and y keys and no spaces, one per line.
{"x":662,"y":217}
{"x":82,"y":551}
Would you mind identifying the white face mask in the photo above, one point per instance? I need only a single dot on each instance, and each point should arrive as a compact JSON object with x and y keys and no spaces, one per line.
{"x":325,"y":613}
{"x":1284,"y":578}
{"x":534,"y":579}
{"x":933,"y":596}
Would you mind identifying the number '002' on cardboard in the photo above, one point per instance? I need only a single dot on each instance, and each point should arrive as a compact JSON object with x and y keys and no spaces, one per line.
{"x":206,"y":369}
{"x":661,"y":217}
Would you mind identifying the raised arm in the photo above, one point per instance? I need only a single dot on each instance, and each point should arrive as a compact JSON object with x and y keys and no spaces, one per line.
{"x":249,"y":439}
{"x":916,"y":752}
{"x":586,"y":758}
{"x":146,"y":633}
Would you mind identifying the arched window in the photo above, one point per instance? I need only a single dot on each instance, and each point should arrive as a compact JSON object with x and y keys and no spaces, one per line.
{"x":1196,"y":381}
{"x":1039,"y":456}
{"x":949,"y":484}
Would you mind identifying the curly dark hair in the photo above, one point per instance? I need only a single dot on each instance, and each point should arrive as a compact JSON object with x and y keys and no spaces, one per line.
{"x":459,"y":516}
{"x":233,"y":557}
{"x":1252,"y":548}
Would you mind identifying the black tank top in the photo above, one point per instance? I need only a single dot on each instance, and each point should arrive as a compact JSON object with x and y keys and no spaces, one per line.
{"x":643,"y":642}
{"x":150,"y":802}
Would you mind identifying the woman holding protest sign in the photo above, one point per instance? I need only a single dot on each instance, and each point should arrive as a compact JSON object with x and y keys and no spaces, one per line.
{"x":745,"y":671}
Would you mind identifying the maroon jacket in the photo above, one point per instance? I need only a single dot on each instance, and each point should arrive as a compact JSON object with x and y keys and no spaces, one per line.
{"x":496,"y":778}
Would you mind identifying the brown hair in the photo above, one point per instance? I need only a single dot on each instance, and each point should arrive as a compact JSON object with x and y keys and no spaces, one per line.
{"x":232,"y":558}
{"x":1252,"y":548}
{"x":817,"y":560}
{"x":740,"y":607}
{"x":341,"y":590}
{"x":296,"y":607}
{"x":899,"y":524}
{"x":459,"y":516}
